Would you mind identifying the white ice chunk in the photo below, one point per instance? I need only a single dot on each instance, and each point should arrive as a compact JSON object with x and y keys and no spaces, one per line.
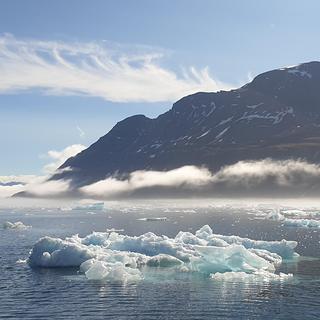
{"x":116,"y":257}
{"x":275,"y":215}
{"x":294,"y":222}
{"x":153,"y":219}
{"x":223,"y":259}
{"x":295,"y":212}
{"x":304,"y":223}
{"x":53,"y":252}
{"x":90,"y":206}
{"x":100,"y":270}
{"x":97,"y":271}
{"x":15,"y":225}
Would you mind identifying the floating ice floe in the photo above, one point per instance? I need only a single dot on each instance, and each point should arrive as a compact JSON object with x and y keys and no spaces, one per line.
{"x":275,"y":215}
{"x":116,"y":257}
{"x":304,"y":223}
{"x":66,"y":209}
{"x":294,"y":222}
{"x":114,"y":230}
{"x":295,"y":213}
{"x":15,"y":225}
{"x":90,"y":206}
{"x":153,"y":219}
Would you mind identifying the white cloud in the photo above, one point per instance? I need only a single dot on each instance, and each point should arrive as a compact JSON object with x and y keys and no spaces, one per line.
{"x":96,"y":69}
{"x":9,"y":185}
{"x":43,"y":188}
{"x":8,"y":191}
{"x":263,"y":177}
{"x":251,"y":176}
{"x":39,"y":185}
{"x":282,"y":173}
{"x":59,"y":157}
{"x":187,"y":176}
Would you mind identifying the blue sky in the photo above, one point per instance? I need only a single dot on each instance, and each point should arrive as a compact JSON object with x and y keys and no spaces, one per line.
{"x":71,"y":69}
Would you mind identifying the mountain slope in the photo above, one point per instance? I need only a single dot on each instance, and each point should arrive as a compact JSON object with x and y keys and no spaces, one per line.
{"x":276,"y":115}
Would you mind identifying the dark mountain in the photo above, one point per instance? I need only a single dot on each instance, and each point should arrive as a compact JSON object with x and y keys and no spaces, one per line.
{"x":10,"y":184}
{"x":277,"y":115}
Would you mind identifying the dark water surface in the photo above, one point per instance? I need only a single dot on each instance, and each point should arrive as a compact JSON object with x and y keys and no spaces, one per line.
{"x":27,"y":293}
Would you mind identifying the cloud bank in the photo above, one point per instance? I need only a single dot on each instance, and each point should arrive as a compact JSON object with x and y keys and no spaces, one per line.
{"x":97,"y":69}
{"x":39,"y":186}
{"x":59,"y":157}
{"x":245,"y":178}
{"x":187,"y":177}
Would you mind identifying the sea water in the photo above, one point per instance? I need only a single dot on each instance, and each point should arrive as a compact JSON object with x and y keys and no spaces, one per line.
{"x":163,"y":293}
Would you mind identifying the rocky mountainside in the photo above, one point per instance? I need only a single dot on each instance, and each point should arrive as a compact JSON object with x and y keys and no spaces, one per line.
{"x":277,"y":115}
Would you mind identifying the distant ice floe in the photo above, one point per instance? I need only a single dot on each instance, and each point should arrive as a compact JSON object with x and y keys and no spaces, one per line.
{"x":15,"y":225}
{"x":114,"y":230}
{"x":176,"y":210}
{"x":66,"y":209}
{"x":90,"y":206}
{"x":294,"y":222}
{"x":305,"y":223}
{"x":153,"y":219}
{"x":275,"y":215}
{"x":116,"y":257}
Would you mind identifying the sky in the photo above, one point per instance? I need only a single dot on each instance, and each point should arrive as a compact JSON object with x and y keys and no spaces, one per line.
{"x":70,"y":70}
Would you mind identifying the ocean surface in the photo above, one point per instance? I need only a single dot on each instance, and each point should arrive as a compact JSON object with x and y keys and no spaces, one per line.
{"x":65,"y":293}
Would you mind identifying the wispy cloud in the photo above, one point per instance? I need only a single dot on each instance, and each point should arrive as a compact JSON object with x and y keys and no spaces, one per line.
{"x":58,"y":157}
{"x":82,"y":134}
{"x":96,"y":69}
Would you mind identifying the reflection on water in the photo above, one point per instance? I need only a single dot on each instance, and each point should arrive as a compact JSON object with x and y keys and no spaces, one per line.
{"x":65,"y":294}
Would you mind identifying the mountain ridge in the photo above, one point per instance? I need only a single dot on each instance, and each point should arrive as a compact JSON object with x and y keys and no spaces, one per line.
{"x":276,"y":115}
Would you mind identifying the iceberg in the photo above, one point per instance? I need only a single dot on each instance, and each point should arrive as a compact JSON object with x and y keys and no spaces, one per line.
{"x":111,"y":256}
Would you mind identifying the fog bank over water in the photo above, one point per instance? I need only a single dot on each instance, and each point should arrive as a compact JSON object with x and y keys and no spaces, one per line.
{"x":249,"y":179}
{"x":161,"y":204}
